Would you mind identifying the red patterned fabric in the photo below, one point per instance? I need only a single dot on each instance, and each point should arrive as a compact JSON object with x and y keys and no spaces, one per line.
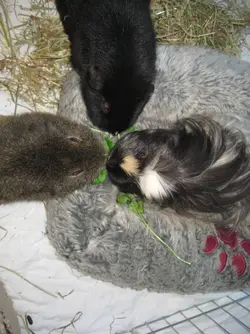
{"x":245,"y":244}
{"x":211,"y":244}
{"x":228,"y":238}
{"x":239,"y":262}
{"x":223,"y":262}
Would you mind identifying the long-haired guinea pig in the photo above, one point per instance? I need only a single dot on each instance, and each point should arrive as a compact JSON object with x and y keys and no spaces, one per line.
{"x":195,"y":165}
{"x":45,"y":156}
{"x":113,"y":49}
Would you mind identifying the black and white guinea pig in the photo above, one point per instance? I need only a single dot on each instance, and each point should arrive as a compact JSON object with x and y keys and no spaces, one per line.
{"x":45,"y":156}
{"x":195,"y":165}
{"x":113,"y":49}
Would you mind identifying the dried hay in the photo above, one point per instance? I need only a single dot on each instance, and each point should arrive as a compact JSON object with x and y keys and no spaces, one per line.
{"x":34,"y":54}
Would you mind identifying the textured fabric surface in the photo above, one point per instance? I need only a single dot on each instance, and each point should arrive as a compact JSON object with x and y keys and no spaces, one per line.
{"x":101,"y":239}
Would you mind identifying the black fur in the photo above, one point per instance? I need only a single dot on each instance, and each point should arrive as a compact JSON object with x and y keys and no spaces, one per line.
{"x":187,"y":157}
{"x":113,"y":49}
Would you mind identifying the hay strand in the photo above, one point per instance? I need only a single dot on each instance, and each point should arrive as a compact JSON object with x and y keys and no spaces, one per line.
{"x":34,"y":54}
{"x":199,"y":22}
{"x":76,"y":318}
{"x":28,"y":281}
{"x":5,"y":232}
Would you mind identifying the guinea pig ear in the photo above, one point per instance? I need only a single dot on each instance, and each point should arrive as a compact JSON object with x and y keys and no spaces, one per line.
{"x":74,"y":139}
{"x":94,"y":78}
{"x":177,"y":135}
{"x":75,"y":172}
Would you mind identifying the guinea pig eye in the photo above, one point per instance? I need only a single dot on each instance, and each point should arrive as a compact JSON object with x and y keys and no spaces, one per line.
{"x":141,"y":155}
{"x":105,"y":107}
{"x":76,"y":140}
{"x":75,"y":172}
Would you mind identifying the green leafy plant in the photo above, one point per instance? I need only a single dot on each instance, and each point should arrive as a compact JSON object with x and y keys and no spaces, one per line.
{"x":109,"y":144}
{"x":132,"y":129}
{"x":133,"y":204}
{"x":101,"y":177}
{"x":137,"y":206}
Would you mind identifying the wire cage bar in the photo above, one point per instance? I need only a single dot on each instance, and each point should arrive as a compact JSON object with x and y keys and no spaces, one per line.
{"x":229,"y":314}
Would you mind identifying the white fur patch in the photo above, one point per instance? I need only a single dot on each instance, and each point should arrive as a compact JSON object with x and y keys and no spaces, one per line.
{"x":153,"y":186}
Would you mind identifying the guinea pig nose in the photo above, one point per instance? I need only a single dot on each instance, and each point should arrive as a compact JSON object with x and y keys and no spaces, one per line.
{"x":111,"y":163}
{"x":106,"y":105}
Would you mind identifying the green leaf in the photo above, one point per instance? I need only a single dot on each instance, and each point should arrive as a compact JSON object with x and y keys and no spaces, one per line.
{"x":124,"y":199}
{"x":109,"y":144}
{"x":137,"y":207}
{"x":132,"y":129}
{"x":101,"y":177}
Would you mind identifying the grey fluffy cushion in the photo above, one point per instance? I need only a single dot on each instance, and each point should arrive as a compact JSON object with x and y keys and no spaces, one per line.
{"x":104,"y":240}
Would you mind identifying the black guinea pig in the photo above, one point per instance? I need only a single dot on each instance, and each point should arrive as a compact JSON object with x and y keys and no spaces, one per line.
{"x":45,"y":156}
{"x":194,"y":165}
{"x":113,"y":49}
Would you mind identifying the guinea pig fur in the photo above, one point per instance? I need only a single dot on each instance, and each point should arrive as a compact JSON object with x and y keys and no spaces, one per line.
{"x":113,"y":49}
{"x":195,"y":165}
{"x":45,"y":156}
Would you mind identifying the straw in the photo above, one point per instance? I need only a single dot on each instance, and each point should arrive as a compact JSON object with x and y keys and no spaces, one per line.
{"x":35,"y":54}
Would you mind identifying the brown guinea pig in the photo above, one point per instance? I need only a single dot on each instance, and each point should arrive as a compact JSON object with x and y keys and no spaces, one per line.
{"x":44,"y":156}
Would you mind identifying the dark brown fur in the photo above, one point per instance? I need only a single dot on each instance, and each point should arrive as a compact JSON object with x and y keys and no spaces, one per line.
{"x":44,"y":156}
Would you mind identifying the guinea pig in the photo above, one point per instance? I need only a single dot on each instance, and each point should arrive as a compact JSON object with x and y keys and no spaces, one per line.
{"x":113,"y":49}
{"x":195,"y":165}
{"x":45,"y":156}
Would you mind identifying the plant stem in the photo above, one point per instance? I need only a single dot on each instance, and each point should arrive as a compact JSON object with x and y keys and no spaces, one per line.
{"x":146,"y":224}
{"x":5,"y":232}
{"x":26,"y":280}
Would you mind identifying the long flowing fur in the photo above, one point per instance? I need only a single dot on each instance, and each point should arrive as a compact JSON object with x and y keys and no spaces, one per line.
{"x":196,"y":165}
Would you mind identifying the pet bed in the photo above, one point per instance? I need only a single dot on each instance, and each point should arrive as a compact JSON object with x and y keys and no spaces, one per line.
{"x":102,"y":239}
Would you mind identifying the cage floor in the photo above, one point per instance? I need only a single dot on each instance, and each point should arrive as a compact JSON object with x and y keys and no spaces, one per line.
{"x":230,"y":314}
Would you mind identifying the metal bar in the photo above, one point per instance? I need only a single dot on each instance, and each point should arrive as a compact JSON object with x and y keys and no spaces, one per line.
{"x":219,"y":325}
{"x":208,"y":314}
{"x":237,"y":320}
